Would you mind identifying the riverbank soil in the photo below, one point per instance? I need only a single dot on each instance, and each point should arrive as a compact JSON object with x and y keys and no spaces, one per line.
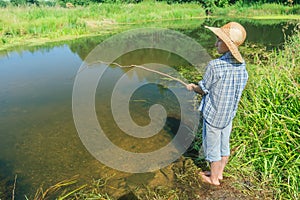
{"x":181,"y":180}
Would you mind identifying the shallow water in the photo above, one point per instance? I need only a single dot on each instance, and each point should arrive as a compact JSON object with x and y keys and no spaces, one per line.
{"x":38,"y":138}
{"x":39,"y":141}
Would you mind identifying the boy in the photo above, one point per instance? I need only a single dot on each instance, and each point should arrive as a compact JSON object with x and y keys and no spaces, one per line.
{"x":221,"y":87}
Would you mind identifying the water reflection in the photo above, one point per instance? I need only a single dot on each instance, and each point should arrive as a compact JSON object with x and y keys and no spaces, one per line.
{"x":35,"y":93}
{"x":268,"y":33}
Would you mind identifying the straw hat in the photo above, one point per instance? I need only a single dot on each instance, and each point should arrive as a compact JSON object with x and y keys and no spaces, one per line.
{"x":233,"y":35}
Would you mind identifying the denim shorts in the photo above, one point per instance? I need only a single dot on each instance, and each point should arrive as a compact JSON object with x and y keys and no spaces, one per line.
{"x":215,"y":141}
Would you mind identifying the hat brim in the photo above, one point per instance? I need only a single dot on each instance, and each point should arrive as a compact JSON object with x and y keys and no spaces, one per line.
{"x":231,"y":46}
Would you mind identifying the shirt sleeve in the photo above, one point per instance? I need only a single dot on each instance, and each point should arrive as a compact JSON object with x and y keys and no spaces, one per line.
{"x":207,"y":81}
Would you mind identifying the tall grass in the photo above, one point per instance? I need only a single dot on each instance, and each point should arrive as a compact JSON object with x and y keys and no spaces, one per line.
{"x":21,"y":24}
{"x":260,"y":10}
{"x":30,"y":24}
{"x":266,"y":136}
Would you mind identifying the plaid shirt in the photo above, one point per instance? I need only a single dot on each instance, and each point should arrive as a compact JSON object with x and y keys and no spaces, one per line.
{"x":223,"y":83}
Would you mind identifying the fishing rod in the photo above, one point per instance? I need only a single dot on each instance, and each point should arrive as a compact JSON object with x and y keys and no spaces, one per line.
{"x":143,"y":68}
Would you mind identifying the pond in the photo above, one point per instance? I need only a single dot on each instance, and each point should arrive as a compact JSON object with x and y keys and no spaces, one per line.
{"x":38,"y":137}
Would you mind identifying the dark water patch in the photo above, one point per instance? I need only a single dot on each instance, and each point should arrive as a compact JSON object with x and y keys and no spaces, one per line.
{"x":6,"y":180}
{"x":128,"y":196}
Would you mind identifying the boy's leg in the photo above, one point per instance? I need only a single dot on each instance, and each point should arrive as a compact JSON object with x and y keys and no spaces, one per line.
{"x":224,"y":161}
{"x":211,"y":146}
{"x":215,"y":168}
{"x":211,"y":136}
{"x":225,"y":147}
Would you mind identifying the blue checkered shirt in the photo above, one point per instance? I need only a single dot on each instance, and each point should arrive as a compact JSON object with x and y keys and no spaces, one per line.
{"x":223,"y":83}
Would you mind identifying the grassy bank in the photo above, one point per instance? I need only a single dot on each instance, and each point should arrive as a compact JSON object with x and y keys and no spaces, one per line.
{"x":266,"y":133}
{"x":264,"y":11}
{"x":33,"y":25}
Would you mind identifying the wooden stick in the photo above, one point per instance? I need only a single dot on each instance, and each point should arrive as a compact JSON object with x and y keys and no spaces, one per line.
{"x":144,"y":68}
{"x":14,"y":188}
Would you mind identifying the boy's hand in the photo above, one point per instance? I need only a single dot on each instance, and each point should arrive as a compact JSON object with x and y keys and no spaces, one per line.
{"x":195,"y":88}
{"x":191,"y":86}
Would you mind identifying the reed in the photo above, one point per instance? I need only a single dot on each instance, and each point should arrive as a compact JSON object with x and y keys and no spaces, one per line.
{"x":69,"y":189}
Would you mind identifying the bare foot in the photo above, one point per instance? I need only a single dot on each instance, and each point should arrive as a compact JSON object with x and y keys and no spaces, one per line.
{"x":207,"y":179}
{"x":207,"y":173}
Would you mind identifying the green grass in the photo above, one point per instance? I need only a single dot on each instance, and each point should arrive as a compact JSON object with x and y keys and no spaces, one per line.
{"x":267,"y":128}
{"x":266,"y":11}
{"x":33,"y":25}
{"x":26,"y":25}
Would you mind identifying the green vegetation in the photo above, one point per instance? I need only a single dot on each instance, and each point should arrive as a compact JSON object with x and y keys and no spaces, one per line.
{"x":31,"y":25}
{"x":206,"y":3}
{"x":260,"y":10}
{"x":266,"y":134}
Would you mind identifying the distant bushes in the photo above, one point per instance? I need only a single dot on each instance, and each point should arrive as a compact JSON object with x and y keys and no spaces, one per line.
{"x":5,"y":3}
{"x":62,"y":3}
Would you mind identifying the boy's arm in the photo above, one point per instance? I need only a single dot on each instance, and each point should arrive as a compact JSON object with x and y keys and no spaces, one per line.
{"x":205,"y":83}
{"x":195,"y":88}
